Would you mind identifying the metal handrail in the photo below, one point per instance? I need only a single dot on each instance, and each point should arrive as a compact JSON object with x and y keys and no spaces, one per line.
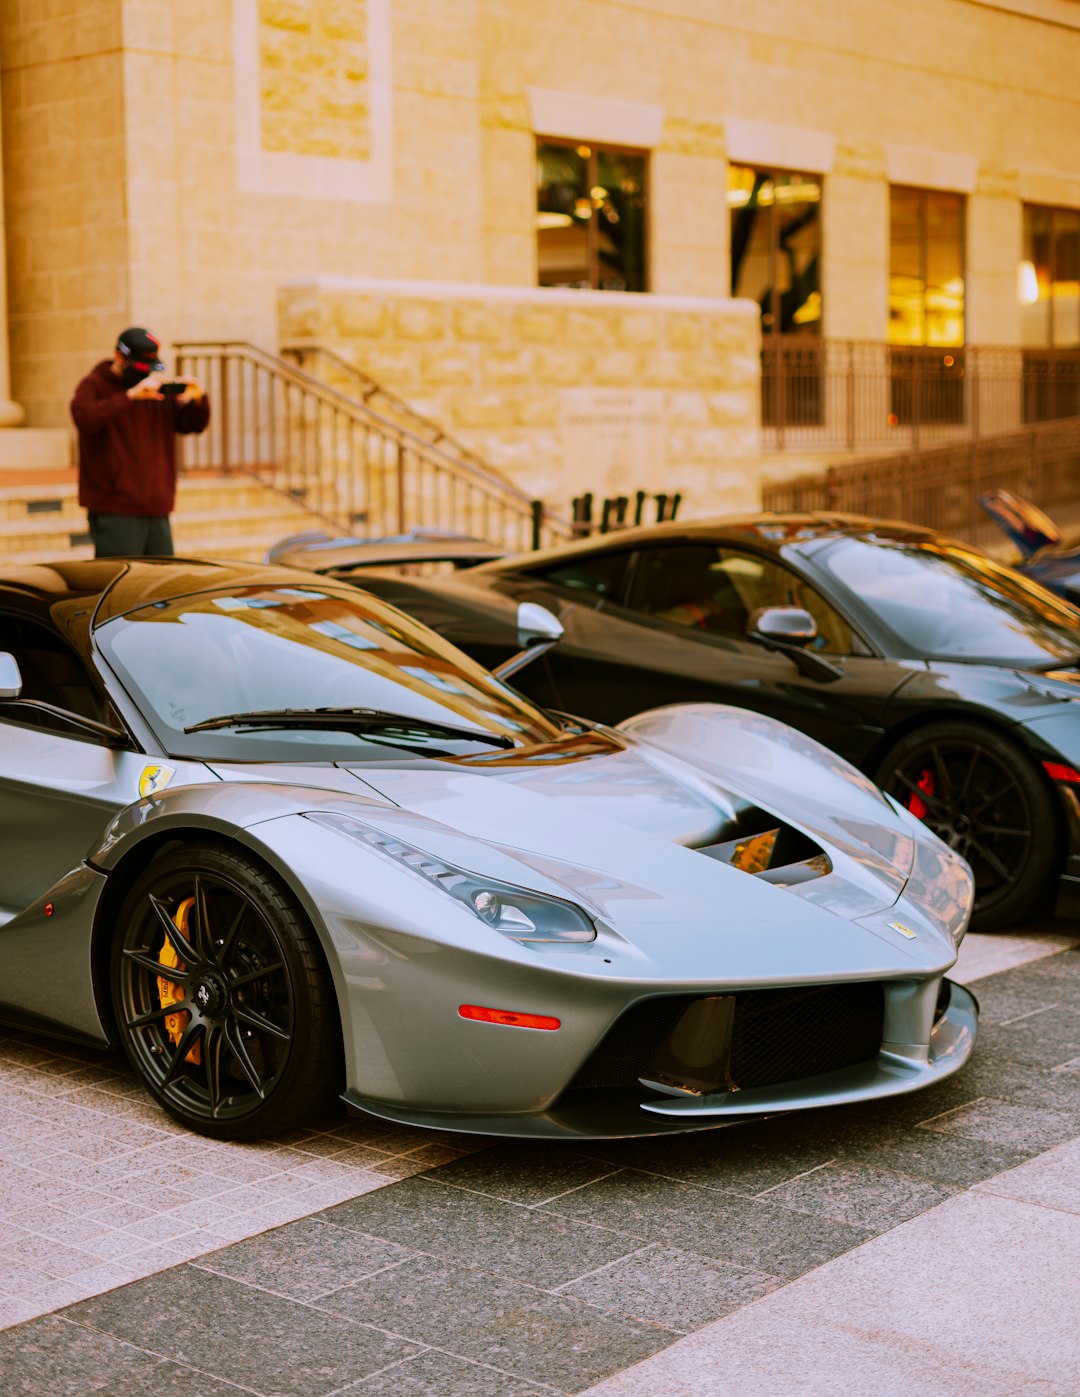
{"x":348,"y":465}
{"x":374,"y":395}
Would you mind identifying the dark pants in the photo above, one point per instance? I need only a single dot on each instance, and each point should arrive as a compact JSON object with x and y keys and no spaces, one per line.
{"x":130,"y":535}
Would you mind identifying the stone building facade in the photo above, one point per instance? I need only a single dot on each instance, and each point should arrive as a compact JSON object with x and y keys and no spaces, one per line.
{"x":364,"y":172}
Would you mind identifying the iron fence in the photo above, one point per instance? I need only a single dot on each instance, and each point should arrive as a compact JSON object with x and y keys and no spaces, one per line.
{"x":820,"y":393}
{"x":939,"y":487}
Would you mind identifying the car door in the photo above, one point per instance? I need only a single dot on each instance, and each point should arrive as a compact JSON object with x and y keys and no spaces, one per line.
{"x":678,"y":633}
{"x":59,"y":786}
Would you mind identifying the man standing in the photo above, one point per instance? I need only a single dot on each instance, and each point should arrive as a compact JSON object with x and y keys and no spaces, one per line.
{"x":127,"y":414}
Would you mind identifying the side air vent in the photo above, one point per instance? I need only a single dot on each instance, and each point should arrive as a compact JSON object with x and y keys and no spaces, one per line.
{"x":776,"y":853}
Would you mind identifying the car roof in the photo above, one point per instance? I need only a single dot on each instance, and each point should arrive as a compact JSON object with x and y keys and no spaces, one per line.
{"x":773,"y":532}
{"x":87,"y":594}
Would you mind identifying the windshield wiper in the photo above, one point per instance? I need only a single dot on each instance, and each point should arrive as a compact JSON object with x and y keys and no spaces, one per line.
{"x":359,"y":718}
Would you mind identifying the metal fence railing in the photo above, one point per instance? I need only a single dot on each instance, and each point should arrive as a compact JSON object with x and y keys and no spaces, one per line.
{"x":353,"y":468}
{"x":822,"y":393}
{"x":939,"y":487}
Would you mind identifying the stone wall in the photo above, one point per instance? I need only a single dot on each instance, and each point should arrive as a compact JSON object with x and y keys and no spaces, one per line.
{"x":175,"y":162}
{"x":313,"y":89}
{"x":563,"y":391}
{"x":65,"y":189}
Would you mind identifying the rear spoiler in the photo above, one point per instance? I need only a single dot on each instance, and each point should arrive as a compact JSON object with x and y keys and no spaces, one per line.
{"x":1024,"y":523}
{"x":319,"y":553}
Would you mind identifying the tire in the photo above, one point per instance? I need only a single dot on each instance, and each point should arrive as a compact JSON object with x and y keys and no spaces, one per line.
{"x":222,"y":998}
{"x":980,"y":792}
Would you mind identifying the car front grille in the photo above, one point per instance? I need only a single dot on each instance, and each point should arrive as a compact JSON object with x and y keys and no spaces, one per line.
{"x":778,"y":1035}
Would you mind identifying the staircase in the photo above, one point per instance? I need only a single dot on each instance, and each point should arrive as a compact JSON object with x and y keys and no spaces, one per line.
{"x":216,"y":515}
{"x":358,"y":459}
{"x":288,"y":452}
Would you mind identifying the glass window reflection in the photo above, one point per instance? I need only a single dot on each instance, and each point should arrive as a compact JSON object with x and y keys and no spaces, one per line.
{"x":590,"y":217}
{"x":926,"y":267}
{"x":272,"y":649}
{"x":942,"y":601}
{"x":776,"y":246}
{"x":1049,"y":278}
{"x":716,"y":590}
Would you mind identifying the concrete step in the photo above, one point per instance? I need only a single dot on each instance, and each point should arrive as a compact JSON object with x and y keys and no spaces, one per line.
{"x":236,"y":546}
{"x":225,"y":516}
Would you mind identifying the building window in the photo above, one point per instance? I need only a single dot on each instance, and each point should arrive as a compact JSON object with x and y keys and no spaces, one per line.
{"x":776,"y":246}
{"x":926,"y":306}
{"x":1049,"y":291}
{"x":1049,"y":282}
{"x":926,"y":267}
{"x":775,"y":221}
{"x":590,"y":216}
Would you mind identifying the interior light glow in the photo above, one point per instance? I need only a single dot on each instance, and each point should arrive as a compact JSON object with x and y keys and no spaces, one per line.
{"x":553,"y":220}
{"x":1027,"y":284}
{"x":509,"y":1018}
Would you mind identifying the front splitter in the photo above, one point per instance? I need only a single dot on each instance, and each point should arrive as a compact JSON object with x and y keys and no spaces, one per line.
{"x":622,"y":1114}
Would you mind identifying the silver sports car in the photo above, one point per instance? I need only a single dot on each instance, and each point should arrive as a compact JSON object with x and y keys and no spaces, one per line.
{"x":284,"y":844}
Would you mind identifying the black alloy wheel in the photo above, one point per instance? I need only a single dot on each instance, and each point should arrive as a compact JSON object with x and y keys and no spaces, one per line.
{"x":980,"y":793}
{"x":222,"y":998}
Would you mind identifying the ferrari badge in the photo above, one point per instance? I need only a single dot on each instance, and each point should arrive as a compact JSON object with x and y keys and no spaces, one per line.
{"x":154,"y":779}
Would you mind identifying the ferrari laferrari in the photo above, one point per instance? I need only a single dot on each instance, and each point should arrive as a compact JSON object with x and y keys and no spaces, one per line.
{"x":283,"y":845}
{"x":950,"y":680}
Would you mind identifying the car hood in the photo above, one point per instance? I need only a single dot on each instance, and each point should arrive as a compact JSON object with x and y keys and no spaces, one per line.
{"x":623,"y":834}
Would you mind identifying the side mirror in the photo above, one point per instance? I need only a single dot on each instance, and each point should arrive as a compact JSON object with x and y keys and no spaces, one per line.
{"x":789,"y":625}
{"x":538,"y":631}
{"x":10,"y":677}
{"x":789,"y":630}
{"x":537,"y":625}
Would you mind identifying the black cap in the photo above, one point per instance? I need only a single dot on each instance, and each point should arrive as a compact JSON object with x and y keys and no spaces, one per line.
{"x":140,"y":348}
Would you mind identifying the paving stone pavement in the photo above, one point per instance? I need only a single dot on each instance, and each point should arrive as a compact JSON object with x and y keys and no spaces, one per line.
{"x":822,"y":1252}
{"x":98,"y":1187}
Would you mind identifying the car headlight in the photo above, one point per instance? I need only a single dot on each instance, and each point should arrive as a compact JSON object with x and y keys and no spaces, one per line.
{"x":515,"y":912}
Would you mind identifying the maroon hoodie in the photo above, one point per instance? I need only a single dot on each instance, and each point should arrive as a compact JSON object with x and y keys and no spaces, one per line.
{"x":127,"y":449}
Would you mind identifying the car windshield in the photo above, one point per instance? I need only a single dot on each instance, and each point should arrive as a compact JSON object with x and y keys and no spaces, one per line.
{"x":942,"y":601}
{"x":258,"y":650}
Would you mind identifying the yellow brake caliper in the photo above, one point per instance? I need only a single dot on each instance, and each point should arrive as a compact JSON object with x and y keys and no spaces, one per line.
{"x":169,"y":993}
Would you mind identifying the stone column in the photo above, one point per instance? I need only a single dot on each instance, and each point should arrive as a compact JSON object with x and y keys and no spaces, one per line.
{"x":11,"y":414}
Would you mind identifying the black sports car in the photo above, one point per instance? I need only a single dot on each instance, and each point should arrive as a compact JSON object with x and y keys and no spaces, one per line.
{"x":946,"y":677}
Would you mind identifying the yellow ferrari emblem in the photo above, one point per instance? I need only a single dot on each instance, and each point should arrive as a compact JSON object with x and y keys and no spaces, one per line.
{"x":904,"y":930}
{"x":154,"y":779}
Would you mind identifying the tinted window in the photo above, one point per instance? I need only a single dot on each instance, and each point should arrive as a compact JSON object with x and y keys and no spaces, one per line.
{"x":717,"y":590}
{"x":601,"y":574}
{"x":271,"y":648}
{"x":51,"y":673}
{"x":944,"y":602}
